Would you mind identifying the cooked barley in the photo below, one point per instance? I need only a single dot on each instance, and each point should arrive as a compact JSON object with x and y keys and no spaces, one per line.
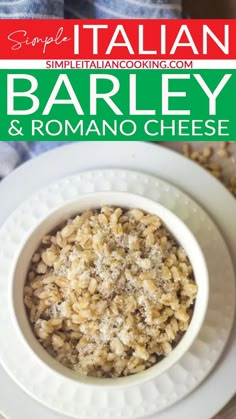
{"x":110,"y":292}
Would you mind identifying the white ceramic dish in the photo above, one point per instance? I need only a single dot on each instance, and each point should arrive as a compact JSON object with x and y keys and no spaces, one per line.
{"x":70,"y":398}
{"x":124,"y":200}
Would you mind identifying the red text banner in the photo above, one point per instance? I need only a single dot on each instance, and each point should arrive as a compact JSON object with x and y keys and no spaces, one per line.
{"x":118,"y":39}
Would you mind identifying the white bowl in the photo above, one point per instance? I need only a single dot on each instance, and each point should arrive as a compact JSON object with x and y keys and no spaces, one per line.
{"x":96,"y":200}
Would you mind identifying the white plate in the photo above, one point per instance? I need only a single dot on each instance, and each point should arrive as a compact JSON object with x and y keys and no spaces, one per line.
{"x":211,"y":396}
{"x":81,"y":401}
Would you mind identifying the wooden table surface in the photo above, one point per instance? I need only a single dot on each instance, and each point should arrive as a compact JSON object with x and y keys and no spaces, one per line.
{"x":229,"y":412}
{"x":224,"y":9}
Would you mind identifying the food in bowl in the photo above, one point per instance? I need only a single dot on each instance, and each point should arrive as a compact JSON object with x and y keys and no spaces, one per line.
{"x":110,"y":292}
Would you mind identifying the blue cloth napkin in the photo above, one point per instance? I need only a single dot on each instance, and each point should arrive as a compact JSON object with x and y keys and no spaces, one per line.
{"x":14,"y":153}
{"x":31,"y":9}
{"x":96,"y":9}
